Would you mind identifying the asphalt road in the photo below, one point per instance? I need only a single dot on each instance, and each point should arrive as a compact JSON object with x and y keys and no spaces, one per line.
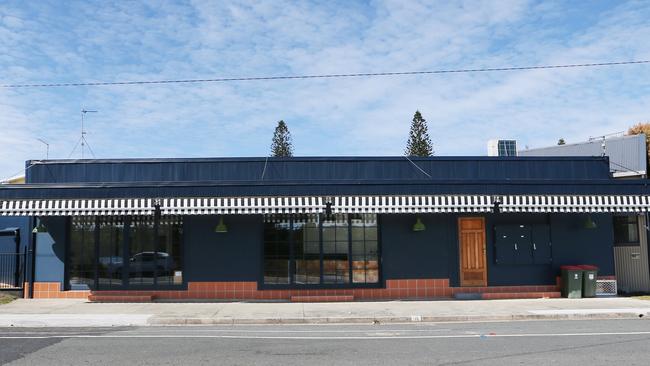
{"x":599,"y":342}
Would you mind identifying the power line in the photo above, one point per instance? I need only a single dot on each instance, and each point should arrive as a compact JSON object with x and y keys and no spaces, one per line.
{"x":323,"y":76}
{"x":417,"y":166}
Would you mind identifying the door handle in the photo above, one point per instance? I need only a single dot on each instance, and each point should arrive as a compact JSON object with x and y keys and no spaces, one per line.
{"x":534,"y":246}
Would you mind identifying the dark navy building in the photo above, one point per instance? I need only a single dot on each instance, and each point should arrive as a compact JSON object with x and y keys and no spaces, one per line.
{"x":324,"y":228}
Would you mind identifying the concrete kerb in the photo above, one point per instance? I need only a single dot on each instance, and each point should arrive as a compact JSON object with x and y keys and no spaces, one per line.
{"x":106,"y":320}
{"x":51,"y":313}
{"x":165,"y":321}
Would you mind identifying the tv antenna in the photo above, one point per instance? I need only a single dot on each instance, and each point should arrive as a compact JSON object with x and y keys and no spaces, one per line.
{"x":82,"y":139}
{"x":47,"y":148}
{"x":592,"y":138}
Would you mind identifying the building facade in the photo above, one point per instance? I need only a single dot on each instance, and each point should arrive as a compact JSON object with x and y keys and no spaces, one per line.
{"x":315,"y":229}
{"x":627,"y":160}
{"x":499,"y":147}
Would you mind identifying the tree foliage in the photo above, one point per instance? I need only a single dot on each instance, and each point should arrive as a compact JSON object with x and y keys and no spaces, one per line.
{"x":419,"y":143}
{"x":282,"y":145}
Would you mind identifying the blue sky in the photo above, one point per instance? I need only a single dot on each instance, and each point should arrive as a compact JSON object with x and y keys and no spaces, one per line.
{"x":56,"y":41}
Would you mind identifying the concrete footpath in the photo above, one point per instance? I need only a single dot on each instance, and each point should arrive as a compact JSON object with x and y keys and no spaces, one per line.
{"x":80,"y":313}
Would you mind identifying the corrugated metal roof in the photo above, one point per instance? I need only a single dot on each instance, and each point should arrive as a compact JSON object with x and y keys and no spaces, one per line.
{"x":224,"y":177}
{"x":627,"y":154}
{"x":335,"y":169}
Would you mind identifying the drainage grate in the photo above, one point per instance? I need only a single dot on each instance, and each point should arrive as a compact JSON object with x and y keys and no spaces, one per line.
{"x":606,"y":288}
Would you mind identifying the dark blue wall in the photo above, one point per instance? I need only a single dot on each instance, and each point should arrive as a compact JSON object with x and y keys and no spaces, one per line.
{"x":208,"y":256}
{"x":317,"y":168}
{"x":512,"y":274}
{"x":50,"y":251}
{"x":50,"y":246}
{"x":232,"y":256}
{"x":325,"y":176}
{"x":434,"y":253}
{"x":427,"y":254}
{"x":7,"y":244}
{"x":324,"y":188}
{"x":573,"y":244}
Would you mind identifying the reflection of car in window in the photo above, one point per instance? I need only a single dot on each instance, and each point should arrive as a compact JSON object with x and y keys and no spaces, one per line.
{"x":147,"y":261}
{"x":143,"y":262}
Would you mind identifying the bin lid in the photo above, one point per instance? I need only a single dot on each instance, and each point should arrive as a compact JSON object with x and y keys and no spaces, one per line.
{"x":588,"y":267}
{"x":570,"y":268}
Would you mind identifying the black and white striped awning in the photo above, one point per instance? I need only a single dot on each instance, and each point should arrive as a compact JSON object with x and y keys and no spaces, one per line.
{"x":241,"y":205}
{"x":564,"y":203}
{"x":412,"y":204}
{"x":315,"y":205}
{"x":77,"y":207}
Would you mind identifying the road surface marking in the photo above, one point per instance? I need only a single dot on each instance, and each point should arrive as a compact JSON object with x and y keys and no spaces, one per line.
{"x":451,"y":336}
{"x":590,"y":311}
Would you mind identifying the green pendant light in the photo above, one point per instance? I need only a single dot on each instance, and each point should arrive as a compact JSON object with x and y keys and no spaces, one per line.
{"x":221,"y":227}
{"x":590,"y":223}
{"x":40,"y":228}
{"x":419,"y":225}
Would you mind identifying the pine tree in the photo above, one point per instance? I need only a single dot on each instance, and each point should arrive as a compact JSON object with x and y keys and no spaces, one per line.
{"x":281,"y":145}
{"x":419,"y":143}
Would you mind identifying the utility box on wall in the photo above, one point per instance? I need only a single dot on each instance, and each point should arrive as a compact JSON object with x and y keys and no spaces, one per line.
{"x":522,"y":244}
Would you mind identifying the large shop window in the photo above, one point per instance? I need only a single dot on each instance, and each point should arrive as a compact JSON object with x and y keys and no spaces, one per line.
{"x":170,"y":236}
{"x":129,"y":254}
{"x":304,"y":250}
{"x":365,"y":254}
{"x":81,"y":260}
{"x":111,"y":252}
{"x":626,"y":230}
{"x":276,"y":248}
{"x":142,"y":256}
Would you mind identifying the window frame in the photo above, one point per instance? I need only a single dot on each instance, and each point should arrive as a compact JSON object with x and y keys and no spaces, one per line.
{"x":67,"y":285}
{"x":635,"y":222}
{"x":126,"y":245}
{"x":289,"y":242}
{"x":292,"y":285}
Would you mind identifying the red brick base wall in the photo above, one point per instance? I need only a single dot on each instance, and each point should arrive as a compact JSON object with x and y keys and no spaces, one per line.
{"x":395,"y":290}
{"x":52,"y":290}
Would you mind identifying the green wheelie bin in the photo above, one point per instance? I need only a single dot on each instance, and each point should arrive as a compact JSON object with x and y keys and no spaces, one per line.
{"x":589,"y":276}
{"x":571,"y":282}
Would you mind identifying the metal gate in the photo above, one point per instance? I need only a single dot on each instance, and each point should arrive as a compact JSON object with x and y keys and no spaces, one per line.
{"x":12,"y":262}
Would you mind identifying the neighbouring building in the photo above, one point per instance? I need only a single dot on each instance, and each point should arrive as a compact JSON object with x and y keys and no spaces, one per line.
{"x":315,"y":228}
{"x":15,"y":180}
{"x":502,"y":147}
{"x":627,"y":160}
{"x":627,"y":154}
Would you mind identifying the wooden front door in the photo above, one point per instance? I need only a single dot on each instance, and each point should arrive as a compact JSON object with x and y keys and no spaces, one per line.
{"x":473,"y":264}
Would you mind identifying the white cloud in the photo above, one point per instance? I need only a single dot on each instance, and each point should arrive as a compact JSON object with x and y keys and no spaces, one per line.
{"x":361,"y":116}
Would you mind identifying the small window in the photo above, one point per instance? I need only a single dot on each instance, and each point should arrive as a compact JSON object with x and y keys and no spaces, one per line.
{"x":626,"y":230}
